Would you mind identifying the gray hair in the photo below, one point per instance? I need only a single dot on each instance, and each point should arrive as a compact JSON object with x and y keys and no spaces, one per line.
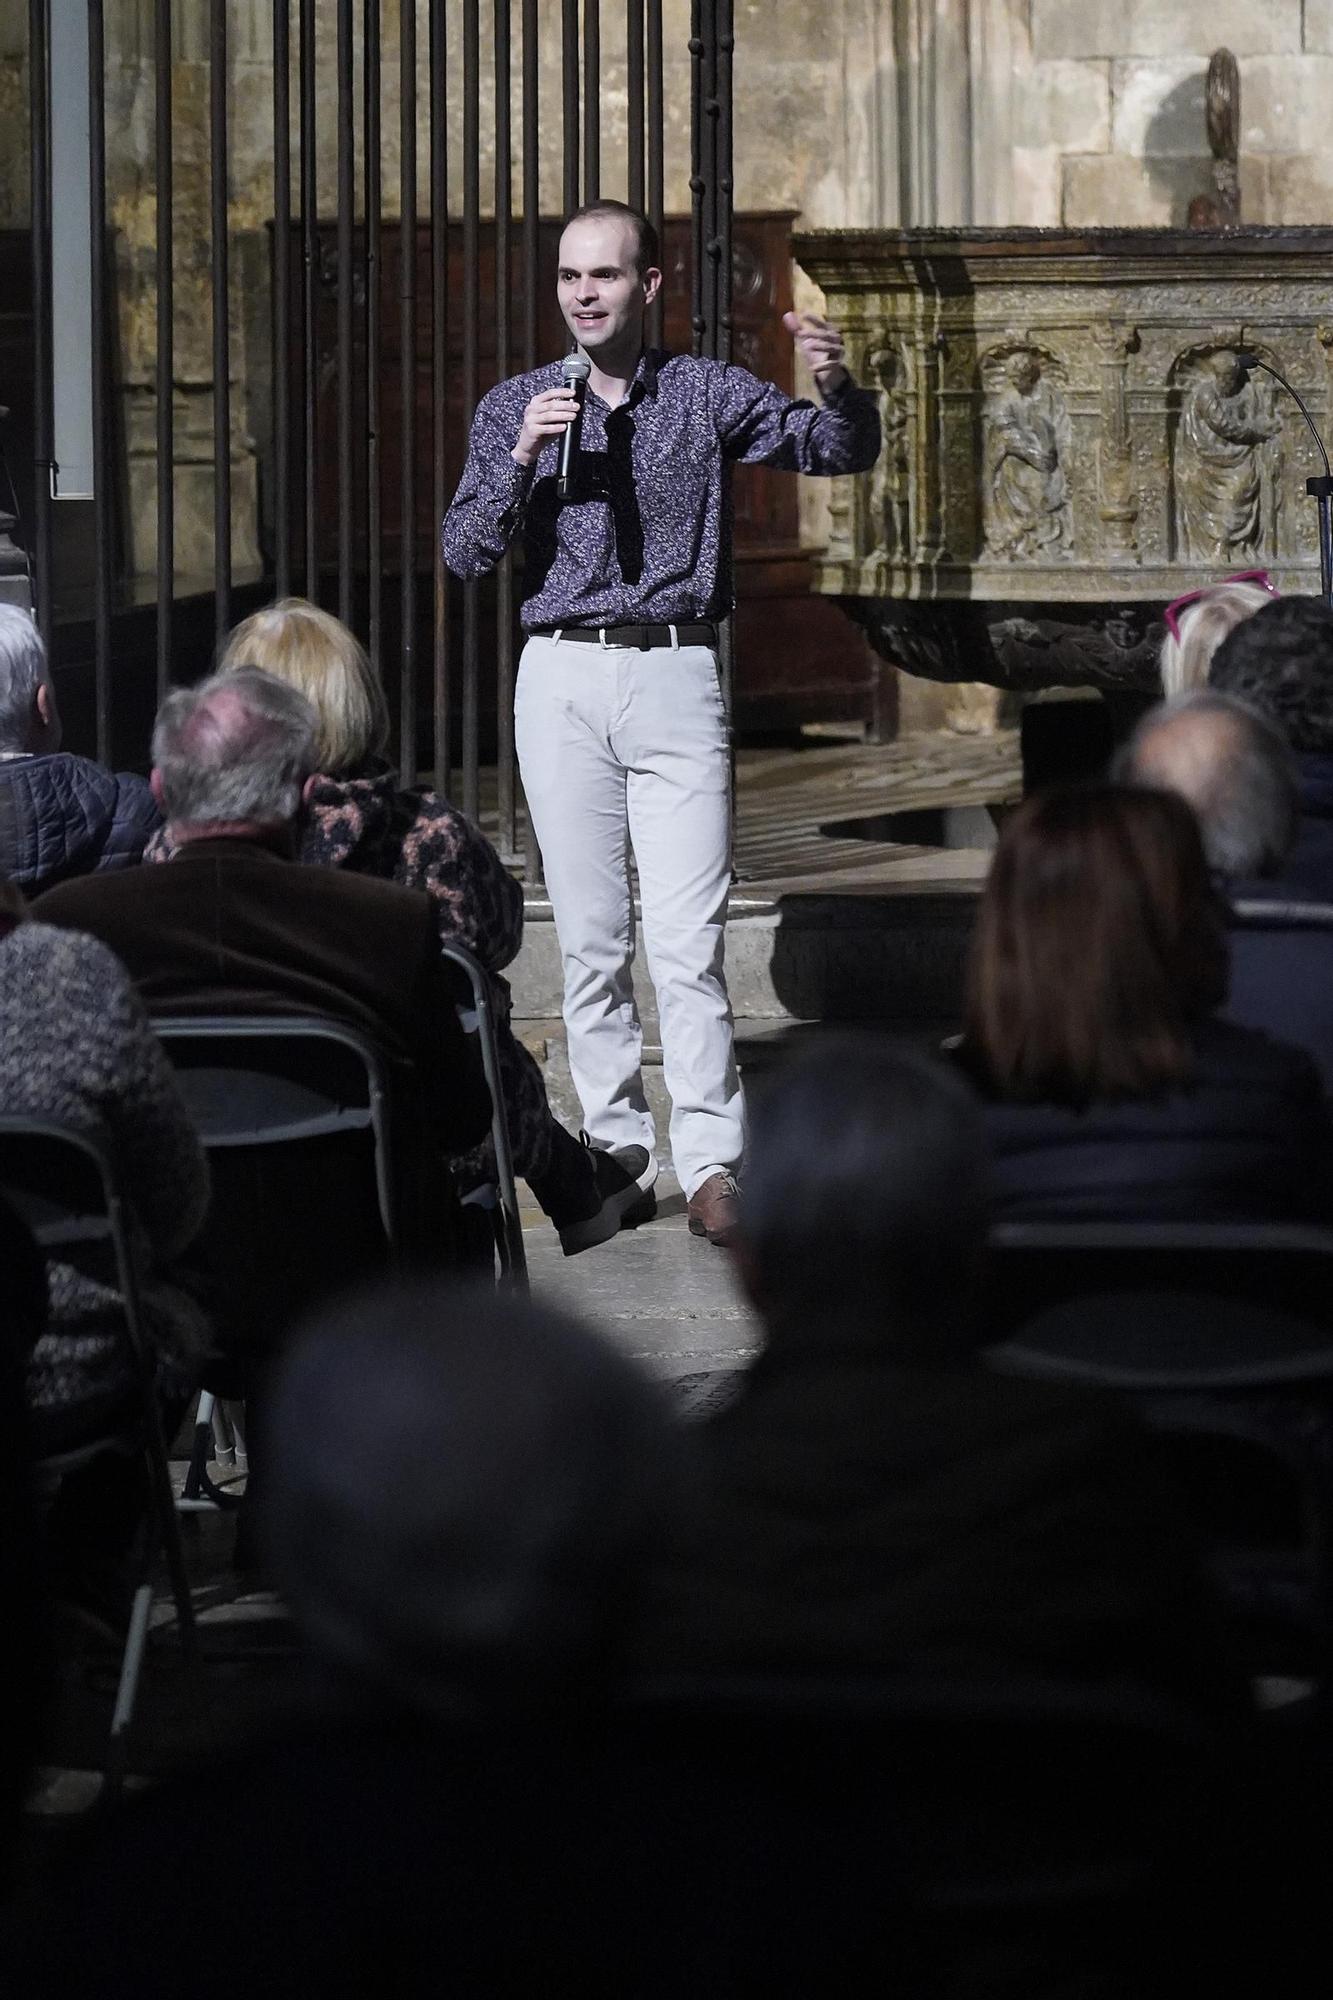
{"x":237,"y":747}
{"x":22,"y":671}
{"x":1232,"y":766}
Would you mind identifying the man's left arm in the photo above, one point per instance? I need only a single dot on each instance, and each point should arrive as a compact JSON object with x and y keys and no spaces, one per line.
{"x":759,"y":424}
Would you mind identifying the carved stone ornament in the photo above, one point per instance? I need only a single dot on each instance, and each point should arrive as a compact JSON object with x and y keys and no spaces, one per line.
{"x":1067,"y":430}
{"x":1025,"y":494}
{"x":1228,"y":463}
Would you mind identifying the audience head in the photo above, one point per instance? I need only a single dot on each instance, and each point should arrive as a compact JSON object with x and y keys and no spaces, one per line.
{"x":1197,"y":624}
{"x":1232,"y":766}
{"x":466,"y":1493}
{"x":232,"y":754}
{"x":867,"y":1200}
{"x":1099,"y":945}
{"x":311,"y":650}
{"x":1281,"y":662}
{"x":29,"y":718}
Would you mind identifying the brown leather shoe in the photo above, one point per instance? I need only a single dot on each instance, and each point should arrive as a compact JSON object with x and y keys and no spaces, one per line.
{"x":715,"y":1210}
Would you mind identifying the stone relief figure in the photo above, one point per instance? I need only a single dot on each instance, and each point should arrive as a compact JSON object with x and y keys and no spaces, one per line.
{"x":1228,"y":464}
{"x":891,"y":481}
{"x":1025,"y":499}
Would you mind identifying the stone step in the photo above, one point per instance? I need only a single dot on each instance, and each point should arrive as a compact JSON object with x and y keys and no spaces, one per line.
{"x":760,"y":1048}
{"x":893,"y":955}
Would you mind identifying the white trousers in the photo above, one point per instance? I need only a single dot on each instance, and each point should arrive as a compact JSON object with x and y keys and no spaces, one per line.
{"x":625,"y":750}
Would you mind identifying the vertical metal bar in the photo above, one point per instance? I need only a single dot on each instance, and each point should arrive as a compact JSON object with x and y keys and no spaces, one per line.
{"x":726,"y":43}
{"x":310,"y":293}
{"x":471,"y":315}
{"x":506,"y":802}
{"x":532,"y":865}
{"x":282,"y":294}
{"x":221,"y":295}
{"x":592,"y":99}
{"x":166,"y":363}
{"x":656,"y":191}
{"x":374,"y":523}
{"x":439,"y":272}
{"x":698,"y":182}
{"x":531,"y":183}
{"x":346,"y":217}
{"x":39,"y":139}
{"x":407,"y":338}
{"x":569,"y":75}
{"x":634,"y":86}
{"x":102,"y":517}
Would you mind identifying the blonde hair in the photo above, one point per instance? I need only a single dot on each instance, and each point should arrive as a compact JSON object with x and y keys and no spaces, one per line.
{"x":313,"y":651}
{"x":1203,"y":626}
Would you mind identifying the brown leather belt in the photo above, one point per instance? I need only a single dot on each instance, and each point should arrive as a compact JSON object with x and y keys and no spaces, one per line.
{"x":701,"y":632}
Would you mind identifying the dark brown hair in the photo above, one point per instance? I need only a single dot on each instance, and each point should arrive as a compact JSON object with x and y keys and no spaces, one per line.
{"x":647,"y":252}
{"x":1099,"y":945}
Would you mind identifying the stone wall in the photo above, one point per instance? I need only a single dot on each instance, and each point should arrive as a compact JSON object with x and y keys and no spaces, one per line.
{"x":858,"y":112}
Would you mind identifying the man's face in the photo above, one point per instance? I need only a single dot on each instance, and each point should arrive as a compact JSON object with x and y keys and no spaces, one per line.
{"x":602,"y":292}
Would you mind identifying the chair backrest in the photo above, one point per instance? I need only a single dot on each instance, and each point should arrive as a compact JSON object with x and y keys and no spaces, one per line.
{"x":273,"y":1080}
{"x":61,"y":1181}
{"x":1036,"y":1265}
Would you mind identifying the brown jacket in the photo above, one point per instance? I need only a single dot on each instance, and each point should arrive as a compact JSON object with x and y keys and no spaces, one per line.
{"x":234,"y":926}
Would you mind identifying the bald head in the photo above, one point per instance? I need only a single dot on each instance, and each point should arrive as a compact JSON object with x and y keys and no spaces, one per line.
{"x":1232,"y":767}
{"x":234,"y":751}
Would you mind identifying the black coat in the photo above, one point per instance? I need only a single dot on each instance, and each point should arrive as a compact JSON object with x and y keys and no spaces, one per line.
{"x":1248,"y":1140}
{"x":62,"y":816}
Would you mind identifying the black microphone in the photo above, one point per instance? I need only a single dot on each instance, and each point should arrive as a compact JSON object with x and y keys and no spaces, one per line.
{"x":1320,"y":484}
{"x":574,"y":372}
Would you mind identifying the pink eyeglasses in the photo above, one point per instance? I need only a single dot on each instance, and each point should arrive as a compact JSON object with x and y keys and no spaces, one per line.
{"x":1174,"y":609}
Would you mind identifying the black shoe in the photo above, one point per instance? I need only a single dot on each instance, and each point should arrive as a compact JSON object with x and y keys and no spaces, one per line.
{"x":641,"y":1167}
{"x":582,"y":1196}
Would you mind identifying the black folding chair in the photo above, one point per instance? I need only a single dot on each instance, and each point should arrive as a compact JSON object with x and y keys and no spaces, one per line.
{"x":64,"y":1184}
{"x":509,"y":1223}
{"x":1034,"y":1265}
{"x":1223,"y":1336}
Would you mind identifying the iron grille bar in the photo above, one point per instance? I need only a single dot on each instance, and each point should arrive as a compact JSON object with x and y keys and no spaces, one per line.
{"x":39,"y":112}
{"x":346,"y":299}
{"x":310,"y":292}
{"x":471,"y":315}
{"x":165,"y":343}
{"x":506,"y":804}
{"x":634,"y":87}
{"x":698,"y":185}
{"x":282,"y":294}
{"x":656,"y":168}
{"x":374,"y":203}
{"x":407,"y":336}
{"x":102,"y":518}
{"x":217,"y":106}
{"x":569,"y":75}
{"x":592,"y":99}
{"x":531,"y":184}
{"x":439,"y":271}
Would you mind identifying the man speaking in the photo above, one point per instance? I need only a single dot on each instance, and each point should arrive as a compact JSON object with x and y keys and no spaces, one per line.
{"x":619,"y":719}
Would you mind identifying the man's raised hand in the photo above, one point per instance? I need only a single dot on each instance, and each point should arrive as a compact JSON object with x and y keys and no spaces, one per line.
{"x":550,"y":413}
{"x":821,"y":344}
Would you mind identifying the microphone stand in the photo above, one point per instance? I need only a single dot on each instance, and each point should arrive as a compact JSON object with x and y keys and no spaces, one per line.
{"x":1319,"y":485}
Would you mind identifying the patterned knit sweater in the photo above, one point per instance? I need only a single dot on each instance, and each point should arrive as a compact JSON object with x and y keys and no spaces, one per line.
{"x":75,"y":1045}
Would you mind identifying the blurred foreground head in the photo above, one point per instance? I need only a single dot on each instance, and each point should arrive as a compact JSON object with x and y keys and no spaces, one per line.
{"x":1099,"y":946}
{"x":1202,"y":622}
{"x":867,"y":1200}
{"x":1233,"y":767}
{"x":1280,"y":661}
{"x":465,"y":1494}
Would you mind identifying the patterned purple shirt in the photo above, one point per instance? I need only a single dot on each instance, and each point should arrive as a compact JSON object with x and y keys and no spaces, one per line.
{"x":646,"y":535}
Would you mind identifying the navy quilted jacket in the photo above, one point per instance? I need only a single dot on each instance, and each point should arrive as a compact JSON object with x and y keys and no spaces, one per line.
{"x":63,"y":816}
